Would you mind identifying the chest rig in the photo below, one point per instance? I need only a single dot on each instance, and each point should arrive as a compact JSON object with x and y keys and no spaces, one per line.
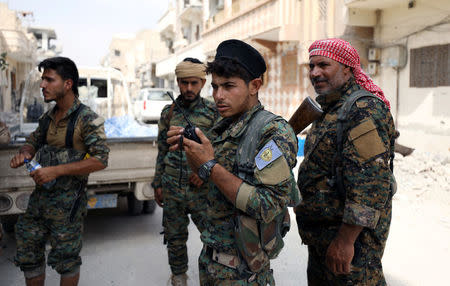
{"x":257,"y":241}
{"x":48,"y":155}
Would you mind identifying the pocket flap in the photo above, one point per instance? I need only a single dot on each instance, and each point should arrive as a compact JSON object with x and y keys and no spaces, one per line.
{"x":362,"y":129}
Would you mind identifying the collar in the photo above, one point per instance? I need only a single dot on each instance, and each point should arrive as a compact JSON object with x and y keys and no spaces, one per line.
{"x":74,"y":106}
{"x":235,"y":129}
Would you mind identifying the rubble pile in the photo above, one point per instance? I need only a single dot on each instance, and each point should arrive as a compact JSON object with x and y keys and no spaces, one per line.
{"x":423,"y":176}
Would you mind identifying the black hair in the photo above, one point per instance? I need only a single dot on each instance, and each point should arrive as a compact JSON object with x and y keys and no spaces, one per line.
{"x":192,"y":60}
{"x":227,"y":68}
{"x":64,"y":67}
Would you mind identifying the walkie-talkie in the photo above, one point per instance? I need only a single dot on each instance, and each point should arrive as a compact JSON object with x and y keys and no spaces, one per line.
{"x":189,"y":130}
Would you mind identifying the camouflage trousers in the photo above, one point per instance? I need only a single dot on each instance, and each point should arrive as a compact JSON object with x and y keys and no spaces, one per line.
{"x":215,"y":274}
{"x":47,"y":219}
{"x":179,"y":201}
{"x":366,"y":268}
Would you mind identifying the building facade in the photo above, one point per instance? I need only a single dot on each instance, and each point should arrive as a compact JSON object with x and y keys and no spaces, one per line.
{"x":409,"y":57}
{"x":280,"y":29}
{"x":135,"y":55}
{"x":19,"y":50}
{"x":181,"y":29}
{"x":403,"y":45}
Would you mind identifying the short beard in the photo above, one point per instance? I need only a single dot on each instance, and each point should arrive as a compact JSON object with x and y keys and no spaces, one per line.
{"x":188,"y":101}
{"x":59,"y":95}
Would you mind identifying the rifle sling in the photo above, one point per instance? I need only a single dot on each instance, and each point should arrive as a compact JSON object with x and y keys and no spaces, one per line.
{"x":341,"y":120}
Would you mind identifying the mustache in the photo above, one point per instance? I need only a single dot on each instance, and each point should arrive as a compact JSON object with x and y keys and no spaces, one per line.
{"x":318,"y":79}
{"x":220,"y":103}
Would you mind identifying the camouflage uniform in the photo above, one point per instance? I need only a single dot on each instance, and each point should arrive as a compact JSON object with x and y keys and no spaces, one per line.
{"x":172,"y":172}
{"x":263,"y":199}
{"x":369,"y":136}
{"x":47,"y":215}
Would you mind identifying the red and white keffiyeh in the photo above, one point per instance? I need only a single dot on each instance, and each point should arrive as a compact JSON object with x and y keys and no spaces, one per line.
{"x":342,"y":52}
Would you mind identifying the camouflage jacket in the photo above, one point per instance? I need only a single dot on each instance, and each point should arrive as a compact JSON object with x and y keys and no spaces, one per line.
{"x":89,"y":133}
{"x":271,"y":190}
{"x":202,"y":113}
{"x":368,"y":142}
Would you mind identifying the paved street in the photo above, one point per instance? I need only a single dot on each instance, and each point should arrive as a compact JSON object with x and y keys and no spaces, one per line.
{"x":122,"y":250}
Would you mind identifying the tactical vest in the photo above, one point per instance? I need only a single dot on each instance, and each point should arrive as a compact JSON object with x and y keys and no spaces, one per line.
{"x":337,"y":177}
{"x":257,"y":241}
{"x":52,"y":156}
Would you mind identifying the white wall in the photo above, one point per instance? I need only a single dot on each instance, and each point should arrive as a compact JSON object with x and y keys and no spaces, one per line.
{"x":423,"y":117}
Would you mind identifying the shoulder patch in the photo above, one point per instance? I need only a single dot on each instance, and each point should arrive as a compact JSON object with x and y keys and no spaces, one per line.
{"x":98,"y":121}
{"x":269,"y":153}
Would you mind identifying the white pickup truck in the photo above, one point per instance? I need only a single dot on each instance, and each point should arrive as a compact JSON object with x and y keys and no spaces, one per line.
{"x":131,"y":160}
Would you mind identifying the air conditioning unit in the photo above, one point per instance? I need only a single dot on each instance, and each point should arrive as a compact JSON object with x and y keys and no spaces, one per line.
{"x":395,"y":56}
{"x":372,"y":68}
{"x":220,"y":4}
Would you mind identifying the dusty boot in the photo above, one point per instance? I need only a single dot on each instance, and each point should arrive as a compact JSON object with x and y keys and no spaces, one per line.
{"x":179,"y":280}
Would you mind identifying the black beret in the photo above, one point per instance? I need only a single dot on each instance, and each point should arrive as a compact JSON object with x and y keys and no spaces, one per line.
{"x":244,"y":54}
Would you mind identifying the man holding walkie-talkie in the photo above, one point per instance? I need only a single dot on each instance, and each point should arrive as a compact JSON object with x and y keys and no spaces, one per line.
{"x":179,"y":191}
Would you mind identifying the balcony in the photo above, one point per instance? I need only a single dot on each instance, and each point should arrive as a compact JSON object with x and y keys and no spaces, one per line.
{"x":374,"y":4}
{"x":18,"y":46}
{"x":191,"y":11}
{"x":166,"y":67}
{"x":267,"y":21}
{"x":166,"y":25}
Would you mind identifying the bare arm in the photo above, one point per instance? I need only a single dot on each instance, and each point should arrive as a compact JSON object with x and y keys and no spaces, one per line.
{"x":83,"y":167}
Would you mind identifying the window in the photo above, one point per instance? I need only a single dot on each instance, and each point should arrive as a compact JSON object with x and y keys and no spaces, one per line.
{"x":197,"y":32}
{"x":82,"y":82}
{"x":117,"y":53}
{"x":430,"y":66}
{"x":156,"y":95}
{"x":102,"y":87}
{"x":289,"y":69}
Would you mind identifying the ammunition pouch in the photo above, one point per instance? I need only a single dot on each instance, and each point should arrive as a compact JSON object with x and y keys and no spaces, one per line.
{"x":52,"y":156}
{"x":258,"y":242}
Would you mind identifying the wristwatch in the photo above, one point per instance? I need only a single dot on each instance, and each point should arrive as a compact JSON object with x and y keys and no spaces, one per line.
{"x":205,"y":170}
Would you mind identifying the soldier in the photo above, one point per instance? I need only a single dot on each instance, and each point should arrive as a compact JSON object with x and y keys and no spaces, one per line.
{"x":177,"y":189}
{"x":69,"y":143}
{"x":346,"y":175}
{"x":269,"y":185}
{"x":5,"y":136}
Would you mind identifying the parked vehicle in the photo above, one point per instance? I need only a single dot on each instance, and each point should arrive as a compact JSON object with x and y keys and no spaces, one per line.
{"x":149,"y":104}
{"x":131,"y":160}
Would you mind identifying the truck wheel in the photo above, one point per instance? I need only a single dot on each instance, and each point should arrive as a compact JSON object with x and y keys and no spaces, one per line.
{"x":149,"y":207}
{"x":135,"y":206}
{"x":8,"y":222}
